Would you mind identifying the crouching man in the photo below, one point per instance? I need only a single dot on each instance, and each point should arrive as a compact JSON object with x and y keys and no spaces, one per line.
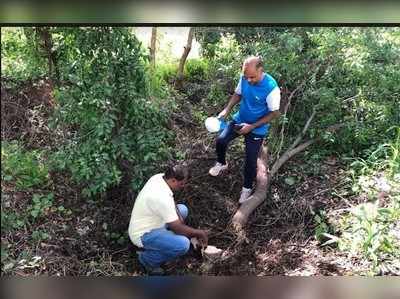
{"x":157,"y":223}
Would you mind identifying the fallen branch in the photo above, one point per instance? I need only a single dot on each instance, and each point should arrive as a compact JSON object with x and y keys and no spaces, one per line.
{"x":264,"y":176}
{"x":263,"y":181}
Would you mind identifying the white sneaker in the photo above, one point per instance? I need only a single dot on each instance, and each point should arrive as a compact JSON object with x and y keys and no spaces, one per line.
{"x":217,"y":168}
{"x":244,"y":195}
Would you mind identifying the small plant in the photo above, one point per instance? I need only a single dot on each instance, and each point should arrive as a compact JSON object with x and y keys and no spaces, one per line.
{"x":11,"y":220}
{"x":26,"y":168}
{"x":38,"y":235}
{"x":116,"y":238}
{"x":41,"y":205}
{"x":367,"y":230}
{"x":323,"y":230}
{"x":199,"y":116}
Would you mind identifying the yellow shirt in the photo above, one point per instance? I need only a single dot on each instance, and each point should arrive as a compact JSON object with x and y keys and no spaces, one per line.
{"x":153,"y":208}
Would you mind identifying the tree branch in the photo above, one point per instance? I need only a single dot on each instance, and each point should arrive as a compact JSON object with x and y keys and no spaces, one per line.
{"x":288,"y":154}
{"x":285,"y":113}
{"x":303,"y":132}
{"x":264,"y":177}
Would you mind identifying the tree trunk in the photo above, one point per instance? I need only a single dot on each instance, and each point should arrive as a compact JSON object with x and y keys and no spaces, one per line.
{"x":46,"y":44}
{"x":187,"y":48}
{"x":263,"y":180}
{"x":153,"y":47}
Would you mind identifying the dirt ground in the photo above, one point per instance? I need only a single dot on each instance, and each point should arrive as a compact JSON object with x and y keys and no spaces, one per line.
{"x":279,"y":236}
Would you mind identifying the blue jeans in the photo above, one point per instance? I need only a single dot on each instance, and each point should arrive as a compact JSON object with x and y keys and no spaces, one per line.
{"x":253,"y":144}
{"x":162,"y":245}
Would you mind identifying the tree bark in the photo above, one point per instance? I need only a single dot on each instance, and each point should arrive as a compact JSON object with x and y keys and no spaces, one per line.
{"x":46,"y":44}
{"x":153,"y":47}
{"x":263,"y":181}
{"x":187,"y":48}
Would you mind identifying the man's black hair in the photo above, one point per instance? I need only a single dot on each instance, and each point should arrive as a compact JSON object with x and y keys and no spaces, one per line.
{"x":177,"y":171}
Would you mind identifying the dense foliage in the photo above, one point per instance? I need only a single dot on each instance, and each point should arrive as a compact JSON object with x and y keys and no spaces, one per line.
{"x":107,"y":100}
{"x":350,"y":77}
{"x":111,"y":122}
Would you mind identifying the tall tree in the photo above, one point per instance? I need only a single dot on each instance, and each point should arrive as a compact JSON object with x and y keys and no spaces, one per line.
{"x":186,"y":50}
{"x":153,"y":46}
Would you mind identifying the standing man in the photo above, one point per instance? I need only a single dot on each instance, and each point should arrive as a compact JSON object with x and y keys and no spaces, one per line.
{"x":259,"y":97}
{"x":157,"y":223}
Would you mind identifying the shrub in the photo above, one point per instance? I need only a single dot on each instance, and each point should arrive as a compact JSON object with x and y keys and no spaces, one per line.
{"x":26,"y":168}
{"x":108,"y":104}
{"x":369,"y":229}
{"x":19,"y":56}
{"x":196,"y":69}
{"x":167,"y":71}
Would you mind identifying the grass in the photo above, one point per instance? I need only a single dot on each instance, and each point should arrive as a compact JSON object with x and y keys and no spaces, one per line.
{"x":370,"y":230}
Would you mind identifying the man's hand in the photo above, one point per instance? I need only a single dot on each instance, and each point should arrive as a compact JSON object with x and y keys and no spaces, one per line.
{"x":223,"y":114}
{"x":247,"y":128}
{"x":202,"y":236}
{"x":235,"y":98}
{"x":180,"y":228}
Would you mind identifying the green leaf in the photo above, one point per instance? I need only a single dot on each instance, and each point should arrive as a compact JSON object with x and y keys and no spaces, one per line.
{"x":290,"y":180}
{"x":7,"y":178}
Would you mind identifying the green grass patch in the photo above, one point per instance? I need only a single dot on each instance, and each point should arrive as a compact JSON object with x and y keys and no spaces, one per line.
{"x":26,"y":168}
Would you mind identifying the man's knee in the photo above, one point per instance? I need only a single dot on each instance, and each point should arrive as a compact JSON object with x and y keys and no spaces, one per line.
{"x":221,"y":141}
{"x":182,"y":245}
{"x":251,"y":159}
{"x":183,"y":210}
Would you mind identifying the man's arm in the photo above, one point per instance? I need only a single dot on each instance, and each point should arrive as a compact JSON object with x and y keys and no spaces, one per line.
{"x":182,"y":229}
{"x":264,"y":120}
{"x":179,"y":214}
{"x":235,"y":98}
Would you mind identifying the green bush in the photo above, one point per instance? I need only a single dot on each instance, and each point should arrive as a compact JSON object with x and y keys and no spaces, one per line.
{"x":196,"y":69}
{"x":19,"y":55}
{"x":166,"y":71}
{"x":26,"y":168}
{"x":11,"y":221}
{"x":108,"y":103}
{"x":217,"y":96}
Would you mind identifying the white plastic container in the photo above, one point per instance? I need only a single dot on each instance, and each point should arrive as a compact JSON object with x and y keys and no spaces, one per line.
{"x":214,"y":124}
